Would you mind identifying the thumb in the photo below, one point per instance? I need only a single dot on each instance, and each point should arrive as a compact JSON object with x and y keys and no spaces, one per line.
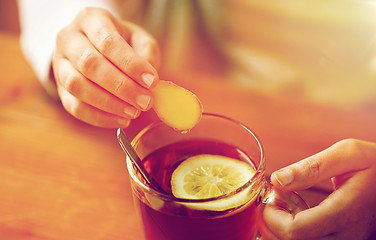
{"x":344,"y":156}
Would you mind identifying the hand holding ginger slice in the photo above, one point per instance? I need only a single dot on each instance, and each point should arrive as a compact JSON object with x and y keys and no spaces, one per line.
{"x":176,"y":106}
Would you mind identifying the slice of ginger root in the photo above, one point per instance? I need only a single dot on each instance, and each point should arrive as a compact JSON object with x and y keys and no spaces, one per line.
{"x":176,"y":106}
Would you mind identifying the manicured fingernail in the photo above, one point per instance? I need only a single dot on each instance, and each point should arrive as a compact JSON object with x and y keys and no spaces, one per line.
{"x":148,"y":79}
{"x":130,"y":111}
{"x":143,"y":101}
{"x":284,"y":177}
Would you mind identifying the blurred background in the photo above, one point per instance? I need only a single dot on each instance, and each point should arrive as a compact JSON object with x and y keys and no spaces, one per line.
{"x":73,"y":164}
{"x":9,"y":16}
{"x":312,"y":47}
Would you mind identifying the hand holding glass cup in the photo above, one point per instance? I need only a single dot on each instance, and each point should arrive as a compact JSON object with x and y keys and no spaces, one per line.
{"x":232,"y":215}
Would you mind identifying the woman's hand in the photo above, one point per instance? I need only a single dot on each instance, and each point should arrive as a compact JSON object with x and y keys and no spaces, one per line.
{"x":104,"y":68}
{"x":348,"y":213}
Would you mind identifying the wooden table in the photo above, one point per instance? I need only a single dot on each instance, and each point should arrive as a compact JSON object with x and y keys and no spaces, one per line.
{"x":63,"y":179}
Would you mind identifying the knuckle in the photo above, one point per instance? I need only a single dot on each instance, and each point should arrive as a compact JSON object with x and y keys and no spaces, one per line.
{"x":62,"y":36}
{"x":106,"y":41}
{"x":312,"y":167}
{"x":119,"y":87}
{"x":350,"y":144}
{"x":351,"y":147}
{"x":88,"y":61}
{"x":72,"y":83}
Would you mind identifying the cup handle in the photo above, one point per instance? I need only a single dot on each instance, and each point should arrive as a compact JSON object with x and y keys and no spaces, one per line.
{"x":288,"y":201}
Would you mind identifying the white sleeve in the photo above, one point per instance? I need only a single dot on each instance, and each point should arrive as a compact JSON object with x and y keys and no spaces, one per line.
{"x":40,"y":21}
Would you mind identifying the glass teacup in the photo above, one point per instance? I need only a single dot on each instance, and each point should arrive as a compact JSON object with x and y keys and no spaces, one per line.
{"x":231,"y":216}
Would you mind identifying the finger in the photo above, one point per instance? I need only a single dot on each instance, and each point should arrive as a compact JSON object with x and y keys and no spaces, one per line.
{"x":85,"y":90}
{"x":94,"y":66}
{"x":102,"y":32}
{"x":314,"y":223}
{"x":265,"y":231}
{"x":340,"y":214}
{"x":267,"y":234}
{"x":90,"y":114}
{"x":344,"y":156}
{"x":144,"y":45}
{"x":340,"y":180}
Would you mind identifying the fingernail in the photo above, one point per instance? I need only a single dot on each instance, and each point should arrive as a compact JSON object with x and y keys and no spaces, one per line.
{"x":130,"y":111}
{"x":143,"y":101}
{"x":148,"y":79}
{"x":284,"y":177}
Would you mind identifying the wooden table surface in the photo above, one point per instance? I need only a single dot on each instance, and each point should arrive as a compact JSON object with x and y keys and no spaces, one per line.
{"x":63,"y":179}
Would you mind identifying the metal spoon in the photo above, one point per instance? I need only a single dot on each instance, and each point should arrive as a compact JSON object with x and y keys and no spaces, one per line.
{"x":129,"y":150}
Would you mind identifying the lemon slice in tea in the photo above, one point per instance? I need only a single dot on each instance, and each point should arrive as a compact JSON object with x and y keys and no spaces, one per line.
{"x":209,"y":176}
{"x":176,"y":106}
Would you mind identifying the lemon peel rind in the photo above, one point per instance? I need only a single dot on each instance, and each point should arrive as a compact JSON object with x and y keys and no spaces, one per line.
{"x":224,"y":204}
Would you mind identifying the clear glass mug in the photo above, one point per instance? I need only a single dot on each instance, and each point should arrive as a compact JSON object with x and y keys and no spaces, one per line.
{"x":166,"y":217}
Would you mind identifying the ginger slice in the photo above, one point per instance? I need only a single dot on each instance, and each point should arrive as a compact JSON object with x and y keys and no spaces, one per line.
{"x":175,"y":106}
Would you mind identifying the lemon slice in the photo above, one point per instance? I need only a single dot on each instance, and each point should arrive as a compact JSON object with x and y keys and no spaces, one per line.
{"x":209,"y":176}
{"x":176,"y":106}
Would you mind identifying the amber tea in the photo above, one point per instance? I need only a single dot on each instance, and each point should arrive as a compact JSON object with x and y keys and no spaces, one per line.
{"x":185,"y":221}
